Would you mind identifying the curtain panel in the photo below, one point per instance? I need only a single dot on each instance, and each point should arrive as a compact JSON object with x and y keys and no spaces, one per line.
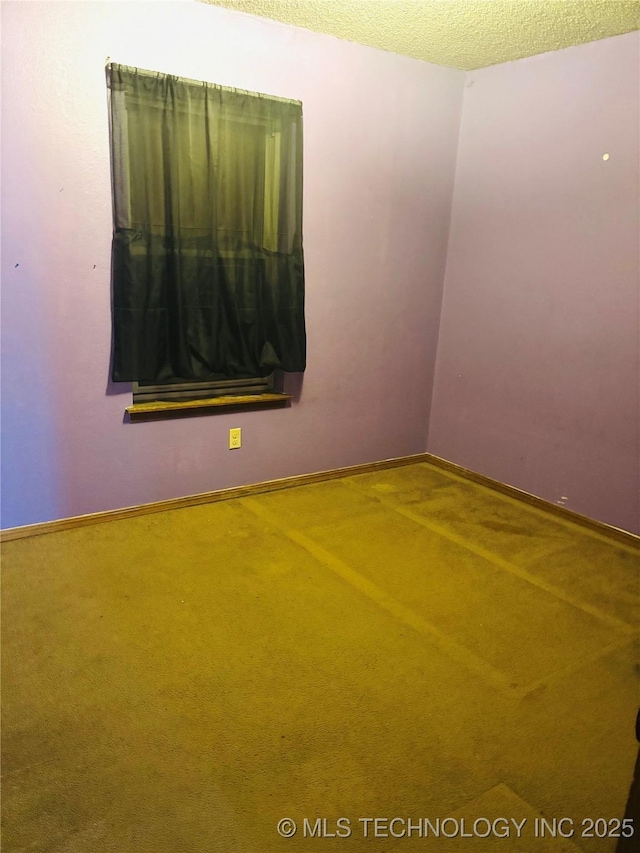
{"x":207,"y":259}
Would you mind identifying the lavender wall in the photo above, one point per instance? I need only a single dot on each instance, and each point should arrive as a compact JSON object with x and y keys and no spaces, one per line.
{"x":537,"y":376}
{"x":380,"y":137}
{"x":537,"y":372}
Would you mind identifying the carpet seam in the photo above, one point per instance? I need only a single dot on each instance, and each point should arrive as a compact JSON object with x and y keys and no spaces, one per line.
{"x":499,"y":562}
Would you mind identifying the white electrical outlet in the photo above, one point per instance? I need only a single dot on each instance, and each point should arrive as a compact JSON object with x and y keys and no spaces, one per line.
{"x":235,"y":438}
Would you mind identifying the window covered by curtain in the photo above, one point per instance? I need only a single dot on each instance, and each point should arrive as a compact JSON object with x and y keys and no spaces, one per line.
{"x":208,"y":274}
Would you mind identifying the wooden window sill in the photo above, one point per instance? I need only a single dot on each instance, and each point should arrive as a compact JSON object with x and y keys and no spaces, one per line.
{"x":161,"y":410}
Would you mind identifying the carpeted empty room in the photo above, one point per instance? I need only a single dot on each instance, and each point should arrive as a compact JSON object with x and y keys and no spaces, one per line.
{"x":320,"y":426}
{"x":402,"y":644}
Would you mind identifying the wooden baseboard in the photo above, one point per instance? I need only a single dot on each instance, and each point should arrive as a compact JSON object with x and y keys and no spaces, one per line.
{"x":607,"y":530}
{"x":610,"y":532}
{"x":73,"y":522}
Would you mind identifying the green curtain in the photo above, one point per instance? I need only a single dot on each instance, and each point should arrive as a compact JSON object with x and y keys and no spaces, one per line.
{"x":207,"y":260}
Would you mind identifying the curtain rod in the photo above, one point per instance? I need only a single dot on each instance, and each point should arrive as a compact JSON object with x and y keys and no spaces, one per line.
{"x":144,"y":72}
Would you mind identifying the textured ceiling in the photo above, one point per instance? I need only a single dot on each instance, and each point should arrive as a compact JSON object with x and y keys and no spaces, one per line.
{"x":463,"y":34}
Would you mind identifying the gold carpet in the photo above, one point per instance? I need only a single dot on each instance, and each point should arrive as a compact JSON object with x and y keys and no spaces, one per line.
{"x":405,"y":646}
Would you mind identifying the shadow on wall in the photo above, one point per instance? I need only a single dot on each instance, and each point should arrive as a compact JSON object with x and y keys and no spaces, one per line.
{"x":632,"y":811}
{"x":290,"y":383}
{"x":115,"y":388}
